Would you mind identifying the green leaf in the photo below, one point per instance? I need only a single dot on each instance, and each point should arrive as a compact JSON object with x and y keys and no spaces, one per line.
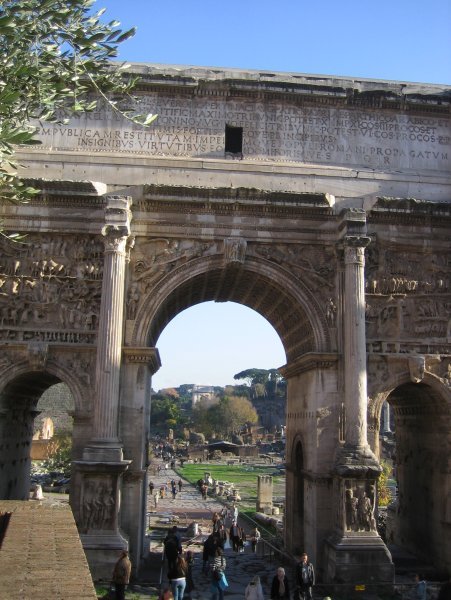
{"x":125,"y":36}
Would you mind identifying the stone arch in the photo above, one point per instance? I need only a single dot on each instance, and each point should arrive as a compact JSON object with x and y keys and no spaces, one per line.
{"x":20,"y":389}
{"x":272,"y":291}
{"x":418,"y":516}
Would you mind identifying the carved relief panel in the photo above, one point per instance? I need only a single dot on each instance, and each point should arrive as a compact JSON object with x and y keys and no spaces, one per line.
{"x":98,"y":503}
{"x":50,"y":288}
{"x":408,"y":299}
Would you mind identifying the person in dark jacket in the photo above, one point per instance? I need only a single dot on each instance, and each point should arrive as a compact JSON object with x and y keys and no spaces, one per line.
{"x":280,"y":589}
{"x":121,"y":574}
{"x":305,"y":578}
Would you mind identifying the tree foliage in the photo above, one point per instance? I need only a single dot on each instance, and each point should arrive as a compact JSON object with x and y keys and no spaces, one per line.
{"x":60,"y":455}
{"x":55,"y":60}
{"x":164,"y":411}
{"x":225,"y":417}
{"x":262,"y":382}
{"x":383,"y":490}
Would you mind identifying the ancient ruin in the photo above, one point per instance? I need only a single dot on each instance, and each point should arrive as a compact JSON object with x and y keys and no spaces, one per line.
{"x":322,"y":203}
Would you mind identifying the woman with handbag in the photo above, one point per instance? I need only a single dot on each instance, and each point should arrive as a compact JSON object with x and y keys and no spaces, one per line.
{"x":218,"y":581}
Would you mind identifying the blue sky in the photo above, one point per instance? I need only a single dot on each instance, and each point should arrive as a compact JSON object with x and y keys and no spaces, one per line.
{"x":406,"y":40}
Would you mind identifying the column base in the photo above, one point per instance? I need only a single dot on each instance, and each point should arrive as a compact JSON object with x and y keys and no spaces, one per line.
{"x":361,"y":559}
{"x":102,"y":550}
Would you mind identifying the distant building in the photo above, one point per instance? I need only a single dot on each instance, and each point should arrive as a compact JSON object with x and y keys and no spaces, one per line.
{"x":204,"y":393}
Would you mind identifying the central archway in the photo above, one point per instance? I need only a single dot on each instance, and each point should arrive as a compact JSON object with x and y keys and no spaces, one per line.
{"x":272,"y":292}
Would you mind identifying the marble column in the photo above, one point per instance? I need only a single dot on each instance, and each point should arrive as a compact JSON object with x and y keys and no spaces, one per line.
{"x":354,"y":344}
{"x":98,"y":476}
{"x":110,"y":334}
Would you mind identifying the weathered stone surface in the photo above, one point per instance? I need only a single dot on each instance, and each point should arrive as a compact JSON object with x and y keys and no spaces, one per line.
{"x":333,"y":222}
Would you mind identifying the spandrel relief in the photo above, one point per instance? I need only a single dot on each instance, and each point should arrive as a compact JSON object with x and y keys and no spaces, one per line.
{"x":50,"y":288}
{"x":405,"y":317}
{"x":314,"y":265}
{"x":152,"y":260}
{"x":389,"y":273}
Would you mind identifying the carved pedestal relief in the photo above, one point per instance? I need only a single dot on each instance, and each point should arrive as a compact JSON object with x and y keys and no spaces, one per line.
{"x":360,"y":502}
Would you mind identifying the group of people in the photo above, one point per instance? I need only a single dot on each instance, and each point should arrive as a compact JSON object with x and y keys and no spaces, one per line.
{"x":304,"y":580}
{"x":179,"y":566}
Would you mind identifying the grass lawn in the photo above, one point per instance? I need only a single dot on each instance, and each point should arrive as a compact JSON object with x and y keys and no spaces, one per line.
{"x":243,"y":476}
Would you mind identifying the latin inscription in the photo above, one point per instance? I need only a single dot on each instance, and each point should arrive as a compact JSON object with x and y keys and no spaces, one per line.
{"x":276,"y":131}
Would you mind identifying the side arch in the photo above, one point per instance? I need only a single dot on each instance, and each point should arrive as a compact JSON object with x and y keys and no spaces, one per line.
{"x":272,"y":291}
{"x":20,"y":389}
{"x":419,"y":519}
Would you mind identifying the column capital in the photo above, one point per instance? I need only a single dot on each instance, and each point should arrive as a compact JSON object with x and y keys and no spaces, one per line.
{"x":356,"y":241}
{"x":117,"y":220}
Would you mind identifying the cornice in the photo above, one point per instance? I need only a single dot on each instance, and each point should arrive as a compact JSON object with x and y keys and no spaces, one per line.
{"x":308,"y":362}
{"x":143,"y":356}
{"x":302,"y":88}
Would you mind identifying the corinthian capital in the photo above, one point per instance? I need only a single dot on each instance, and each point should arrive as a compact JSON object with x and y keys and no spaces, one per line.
{"x":117,"y":223}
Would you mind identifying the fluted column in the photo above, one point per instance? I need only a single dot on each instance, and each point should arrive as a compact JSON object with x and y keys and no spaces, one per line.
{"x":355,"y":342}
{"x":109,"y":343}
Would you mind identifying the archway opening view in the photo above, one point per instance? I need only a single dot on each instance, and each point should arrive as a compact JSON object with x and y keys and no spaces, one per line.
{"x":36,"y":436}
{"x":214,"y":353}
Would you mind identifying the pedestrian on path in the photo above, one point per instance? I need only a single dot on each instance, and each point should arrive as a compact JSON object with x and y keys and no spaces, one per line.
{"x":305,"y":578}
{"x":121,"y":574}
{"x":420,"y":589}
{"x":219,"y":581}
{"x":254,"y":590}
{"x":151,"y":487}
{"x":156,"y":497}
{"x":180,"y":484}
{"x":177,"y":577}
{"x":280,"y":589}
{"x":235,"y":536}
{"x":255,"y":538}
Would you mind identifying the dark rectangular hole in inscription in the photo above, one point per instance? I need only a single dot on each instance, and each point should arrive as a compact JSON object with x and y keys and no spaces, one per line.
{"x":234,"y":140}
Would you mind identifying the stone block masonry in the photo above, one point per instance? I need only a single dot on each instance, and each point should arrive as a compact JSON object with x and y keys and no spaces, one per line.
{"x":41,"y":554}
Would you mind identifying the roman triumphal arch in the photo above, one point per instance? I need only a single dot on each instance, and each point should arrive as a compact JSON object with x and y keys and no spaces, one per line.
{"x":322,"y":203}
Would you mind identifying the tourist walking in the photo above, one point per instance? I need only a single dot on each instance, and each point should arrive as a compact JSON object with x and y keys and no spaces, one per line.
{"x":255,"y":538}
{"x":254,"y":590}
{"x":180,"y":484}
{"x":172,"y":548}
{"x":235,"y":536}
{"x":151,"y":487}
{"x":219,"y":581}
{"x":305,"y":578}
{"x":156,"y":497}
{"x":121,"y":574}
{"x":280,"y":589}
{"x":177,"y":577}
